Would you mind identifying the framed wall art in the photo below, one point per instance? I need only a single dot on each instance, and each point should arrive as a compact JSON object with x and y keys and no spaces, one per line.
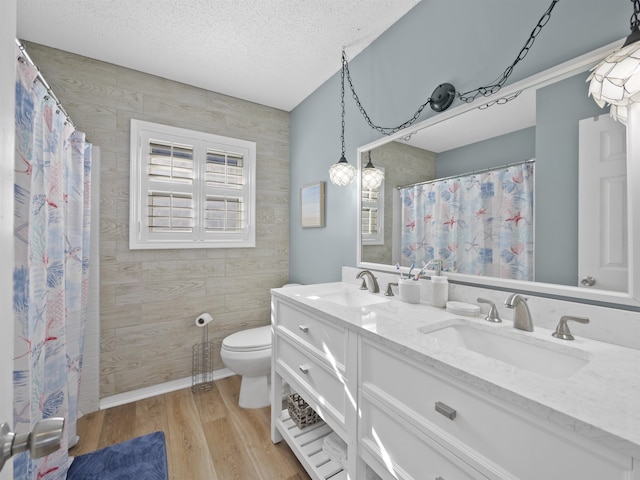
{"x":312,"y":205}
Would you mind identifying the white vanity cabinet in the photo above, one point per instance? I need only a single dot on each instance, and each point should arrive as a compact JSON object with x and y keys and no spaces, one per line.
{"x":310,"y":354}
{"x":418,"y":423}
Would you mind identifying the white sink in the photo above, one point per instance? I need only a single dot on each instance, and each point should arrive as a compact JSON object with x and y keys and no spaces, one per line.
{"x":350,"y":299}
{"x":529,"y":353}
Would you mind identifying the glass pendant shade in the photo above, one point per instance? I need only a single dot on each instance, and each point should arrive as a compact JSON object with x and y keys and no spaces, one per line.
{"x":342,"y":173}
{"x":616,"y":80}
{"x":371,"y":177}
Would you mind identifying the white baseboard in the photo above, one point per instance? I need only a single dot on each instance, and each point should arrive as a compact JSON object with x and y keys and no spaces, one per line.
{"x":152,"y":391}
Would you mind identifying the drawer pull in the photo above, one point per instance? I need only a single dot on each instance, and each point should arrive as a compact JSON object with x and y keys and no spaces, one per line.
{"x":439,"y":478}
{"x":446,"y":410}
{"x":303,"y":328}
{"x":304,"y":369}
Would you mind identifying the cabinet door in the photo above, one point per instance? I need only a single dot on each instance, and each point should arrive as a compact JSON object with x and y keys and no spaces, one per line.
{"x":400,"y":451}
{"x":325,"y":339}
{"x":495,"y":437}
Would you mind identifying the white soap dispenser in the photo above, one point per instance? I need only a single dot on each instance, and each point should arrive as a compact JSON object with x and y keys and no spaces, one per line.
{"x":439,"y":287}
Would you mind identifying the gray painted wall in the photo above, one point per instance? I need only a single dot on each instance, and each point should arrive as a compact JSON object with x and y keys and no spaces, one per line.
{"x":494,"y":152}
{"x":464,"y":42}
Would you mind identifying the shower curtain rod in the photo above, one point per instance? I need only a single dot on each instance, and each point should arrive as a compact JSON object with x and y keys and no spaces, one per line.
{"x":474,"y":172}
{"x":25,"y":57}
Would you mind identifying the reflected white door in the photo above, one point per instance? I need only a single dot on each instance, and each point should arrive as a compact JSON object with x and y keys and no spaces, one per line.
{"x":602,"y":221}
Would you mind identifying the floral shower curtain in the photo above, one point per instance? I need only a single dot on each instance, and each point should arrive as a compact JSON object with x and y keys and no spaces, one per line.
{"x":52,"y":225}
{"x":478,"y":224}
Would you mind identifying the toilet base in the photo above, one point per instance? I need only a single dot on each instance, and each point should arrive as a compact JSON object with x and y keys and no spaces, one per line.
{"x":254,"y":392}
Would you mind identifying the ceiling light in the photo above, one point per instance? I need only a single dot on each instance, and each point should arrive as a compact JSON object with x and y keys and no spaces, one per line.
{"x":342,"y":173}
{"x":372,"y":177}
{"x":616,"y":80}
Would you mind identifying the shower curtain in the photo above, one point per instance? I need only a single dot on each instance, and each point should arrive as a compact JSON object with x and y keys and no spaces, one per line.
{"x":478,"y":224}
{"x":52,"y":225}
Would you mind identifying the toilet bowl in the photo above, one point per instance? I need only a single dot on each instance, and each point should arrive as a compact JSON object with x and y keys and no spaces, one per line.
{"x":248,"y":353}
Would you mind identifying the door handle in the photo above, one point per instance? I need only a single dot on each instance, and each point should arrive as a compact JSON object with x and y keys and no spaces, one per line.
{"x":45,"y":438}
{"x":588,"y":281}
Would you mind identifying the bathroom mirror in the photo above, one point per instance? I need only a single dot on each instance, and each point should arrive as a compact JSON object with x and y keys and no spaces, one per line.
{"x":536,"y":118}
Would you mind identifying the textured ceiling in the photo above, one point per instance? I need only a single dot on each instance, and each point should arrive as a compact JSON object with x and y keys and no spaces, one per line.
{"x":272,"y":52}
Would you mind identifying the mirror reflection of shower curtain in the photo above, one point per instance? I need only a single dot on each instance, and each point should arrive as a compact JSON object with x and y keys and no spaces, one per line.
{"x":478,"y":224}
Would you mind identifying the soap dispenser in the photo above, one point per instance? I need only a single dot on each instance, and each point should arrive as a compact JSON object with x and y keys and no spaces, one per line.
{"x":440,"y":287}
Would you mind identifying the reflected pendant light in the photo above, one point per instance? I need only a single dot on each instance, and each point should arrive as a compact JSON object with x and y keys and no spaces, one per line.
{"x":342,"y":173}
{"x":371,"y":176}
{"x":616,"y":80}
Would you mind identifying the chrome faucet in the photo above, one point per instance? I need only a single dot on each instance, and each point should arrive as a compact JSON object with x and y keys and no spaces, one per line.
{"x":374,"y":283}
{"x":522,"y":316}
{"x":562,"y":330}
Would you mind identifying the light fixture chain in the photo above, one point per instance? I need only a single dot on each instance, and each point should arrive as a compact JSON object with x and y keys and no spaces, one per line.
{"x":488,"y":90}
{"x":383,"y":130}
{"x":467,"y":97}
{"x":342,"y":105}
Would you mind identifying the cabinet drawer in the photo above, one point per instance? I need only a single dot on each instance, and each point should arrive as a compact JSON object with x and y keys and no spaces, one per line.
{"x":323,"y":383}
{"x":524,"y":445}
{"x":405,"y":452}
{"x":325,"y":338}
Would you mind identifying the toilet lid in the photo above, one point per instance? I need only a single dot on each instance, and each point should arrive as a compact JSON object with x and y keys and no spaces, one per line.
{"x":249,"y":340}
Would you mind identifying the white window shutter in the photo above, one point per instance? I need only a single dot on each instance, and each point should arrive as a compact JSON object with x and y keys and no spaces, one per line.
{"x":190,"y":189}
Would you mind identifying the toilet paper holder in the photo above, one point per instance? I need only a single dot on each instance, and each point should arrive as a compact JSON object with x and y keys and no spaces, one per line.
{"x":202,"y":357}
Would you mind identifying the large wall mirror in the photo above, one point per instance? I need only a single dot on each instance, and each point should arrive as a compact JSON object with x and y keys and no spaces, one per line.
{"x":581,"y":230}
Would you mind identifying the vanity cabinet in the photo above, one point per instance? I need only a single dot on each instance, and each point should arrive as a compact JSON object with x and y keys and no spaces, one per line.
{"x":310,"y":356}
{"x":407,"y":416}
{"x":417,"y":423}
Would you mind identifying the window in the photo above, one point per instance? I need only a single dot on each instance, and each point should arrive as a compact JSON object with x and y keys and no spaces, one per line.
{"x":373,"y":216}
{"x":190,"y":189}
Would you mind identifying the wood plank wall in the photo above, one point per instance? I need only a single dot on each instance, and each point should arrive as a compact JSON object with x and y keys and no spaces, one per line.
{"x":150,"y":299}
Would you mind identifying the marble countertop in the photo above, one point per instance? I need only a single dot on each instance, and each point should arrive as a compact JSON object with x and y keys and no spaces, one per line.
{"x":600,"y":401}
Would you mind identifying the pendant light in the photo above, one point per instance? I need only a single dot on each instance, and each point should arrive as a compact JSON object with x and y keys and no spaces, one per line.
{"x":371,"y":176}
{"x":616,"y":80}
{"x":443,"y":96}
{"x":342,"y":173}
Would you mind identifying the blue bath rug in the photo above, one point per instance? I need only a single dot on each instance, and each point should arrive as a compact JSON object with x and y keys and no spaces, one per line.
{"x":142,"y":458}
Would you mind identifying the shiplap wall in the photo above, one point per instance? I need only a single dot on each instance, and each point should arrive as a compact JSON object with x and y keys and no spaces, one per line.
{"x":150,"y":299}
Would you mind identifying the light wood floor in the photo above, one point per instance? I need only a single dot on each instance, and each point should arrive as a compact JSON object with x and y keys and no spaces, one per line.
{"x":208,"y":436}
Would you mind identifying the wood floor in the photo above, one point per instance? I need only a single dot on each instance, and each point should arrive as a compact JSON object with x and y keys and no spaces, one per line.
{"x":208,"y":436}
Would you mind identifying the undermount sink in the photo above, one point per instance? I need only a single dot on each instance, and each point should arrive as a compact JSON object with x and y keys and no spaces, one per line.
{"x":508,"y":346}
{"x":350,"y":299}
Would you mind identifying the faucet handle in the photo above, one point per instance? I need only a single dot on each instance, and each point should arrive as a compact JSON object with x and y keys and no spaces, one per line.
{"x":389,"y":292}
{"x":562,"y":330}
{"x":493,"y":315}
{"x":364,"y":284}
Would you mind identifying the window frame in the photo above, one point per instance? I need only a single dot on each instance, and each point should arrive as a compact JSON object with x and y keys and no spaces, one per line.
{"x":144,"y":133}
{"x":376,"y":238}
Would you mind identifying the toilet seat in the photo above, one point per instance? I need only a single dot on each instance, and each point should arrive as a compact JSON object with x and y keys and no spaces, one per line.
{"x":251,"y":340}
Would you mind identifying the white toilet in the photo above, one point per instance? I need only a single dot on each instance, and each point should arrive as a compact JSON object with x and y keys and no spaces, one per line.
{"x":248,"y":353}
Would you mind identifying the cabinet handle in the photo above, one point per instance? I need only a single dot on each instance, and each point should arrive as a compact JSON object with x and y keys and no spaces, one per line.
{"x":303,"y":328}
{"x":304,"y":369}
{"x":439,"y":478}
{"x":446,"y":410}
